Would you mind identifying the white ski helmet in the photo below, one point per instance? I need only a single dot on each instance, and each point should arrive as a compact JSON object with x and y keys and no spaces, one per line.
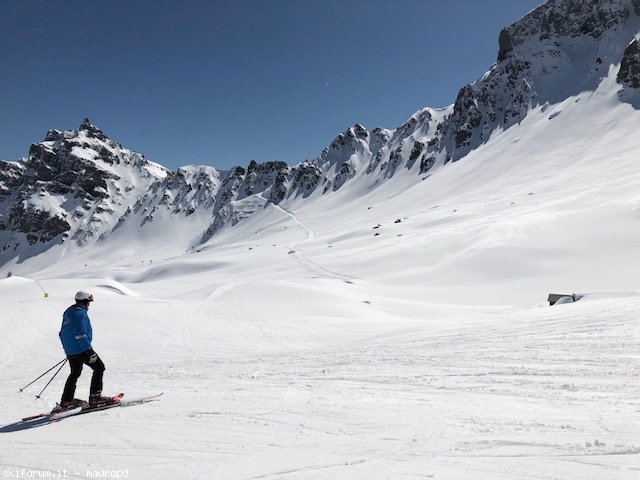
{"x":81,"y":295}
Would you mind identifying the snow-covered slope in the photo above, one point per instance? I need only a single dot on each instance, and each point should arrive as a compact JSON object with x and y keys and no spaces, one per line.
{"x":378,"y":312}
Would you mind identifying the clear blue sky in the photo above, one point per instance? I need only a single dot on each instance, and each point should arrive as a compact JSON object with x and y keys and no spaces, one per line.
{"x":224,"y":82}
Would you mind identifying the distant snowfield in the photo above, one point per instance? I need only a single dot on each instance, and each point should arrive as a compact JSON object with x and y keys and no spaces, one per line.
{"x":402,"y":332}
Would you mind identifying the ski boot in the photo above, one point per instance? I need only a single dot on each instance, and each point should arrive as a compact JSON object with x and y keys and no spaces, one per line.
{"x":76,"y":402}
{"x":98,"y":400}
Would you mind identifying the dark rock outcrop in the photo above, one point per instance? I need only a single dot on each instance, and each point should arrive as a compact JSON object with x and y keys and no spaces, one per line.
{"x":505,"y":44}
{"x":629,"y":74}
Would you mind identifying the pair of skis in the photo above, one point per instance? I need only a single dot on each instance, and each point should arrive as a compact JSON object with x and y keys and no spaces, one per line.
{"x":117,"y":402}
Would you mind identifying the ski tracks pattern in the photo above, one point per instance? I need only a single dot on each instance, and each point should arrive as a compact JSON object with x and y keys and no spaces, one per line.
{"x":300,"y":253}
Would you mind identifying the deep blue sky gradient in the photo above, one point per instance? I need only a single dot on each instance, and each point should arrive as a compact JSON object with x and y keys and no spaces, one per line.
{"x":225,"y":82}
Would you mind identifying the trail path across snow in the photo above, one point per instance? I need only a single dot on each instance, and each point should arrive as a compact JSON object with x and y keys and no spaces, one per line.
{"x":300,"y":254}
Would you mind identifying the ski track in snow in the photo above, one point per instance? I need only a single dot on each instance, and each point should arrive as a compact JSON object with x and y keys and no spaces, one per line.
{"x":299,"y":253}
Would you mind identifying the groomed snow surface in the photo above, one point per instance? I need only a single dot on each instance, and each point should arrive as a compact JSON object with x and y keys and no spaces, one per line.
{"x":322,"y":339}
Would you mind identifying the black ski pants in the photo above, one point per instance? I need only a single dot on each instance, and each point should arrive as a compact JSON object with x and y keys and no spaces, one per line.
{"x":76,"y":362}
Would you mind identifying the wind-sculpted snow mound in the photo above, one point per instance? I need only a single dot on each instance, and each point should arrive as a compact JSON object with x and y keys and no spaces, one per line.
{"x":174,"y":270}
{"x":115,"y":287}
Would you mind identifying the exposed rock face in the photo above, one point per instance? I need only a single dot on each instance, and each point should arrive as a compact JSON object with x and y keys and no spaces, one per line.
{"x":629,"y":73}
{"x":305,"y":179}
{"x":505,"y":44}
{"x":269,"y":177}
{"x":38,"y":225}
{"x":572,"y":18}
{"x":10,"y":176}
{"x":92,"y":132}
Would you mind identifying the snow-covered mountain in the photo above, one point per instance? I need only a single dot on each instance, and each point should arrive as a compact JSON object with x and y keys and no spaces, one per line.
{"x":377,"y":312}
{"x":80,"y":187}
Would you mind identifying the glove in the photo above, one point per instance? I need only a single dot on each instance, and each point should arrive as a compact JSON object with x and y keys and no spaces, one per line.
{"x":93,"y":356}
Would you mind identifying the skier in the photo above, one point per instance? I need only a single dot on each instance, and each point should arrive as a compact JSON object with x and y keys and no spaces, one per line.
{"x":76,"y":335}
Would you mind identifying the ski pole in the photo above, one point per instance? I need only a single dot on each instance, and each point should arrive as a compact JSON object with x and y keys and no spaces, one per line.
{"x":61,"y":361}
{"x":54,"y":376}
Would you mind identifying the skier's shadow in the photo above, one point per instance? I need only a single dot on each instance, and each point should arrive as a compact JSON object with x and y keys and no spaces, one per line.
{"x":26,"y":425}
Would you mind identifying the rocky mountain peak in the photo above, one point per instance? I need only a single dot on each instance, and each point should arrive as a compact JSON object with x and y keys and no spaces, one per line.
{"x":91,"y":131}
{"x":67,"y":187}
{"x":572,"y":18}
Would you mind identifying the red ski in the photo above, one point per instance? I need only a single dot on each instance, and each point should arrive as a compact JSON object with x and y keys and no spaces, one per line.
{"x":87,"y":409}
{"x":114,"y":401}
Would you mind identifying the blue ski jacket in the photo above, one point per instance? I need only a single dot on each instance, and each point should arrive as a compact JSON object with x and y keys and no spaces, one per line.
{"x":76,"y":331}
